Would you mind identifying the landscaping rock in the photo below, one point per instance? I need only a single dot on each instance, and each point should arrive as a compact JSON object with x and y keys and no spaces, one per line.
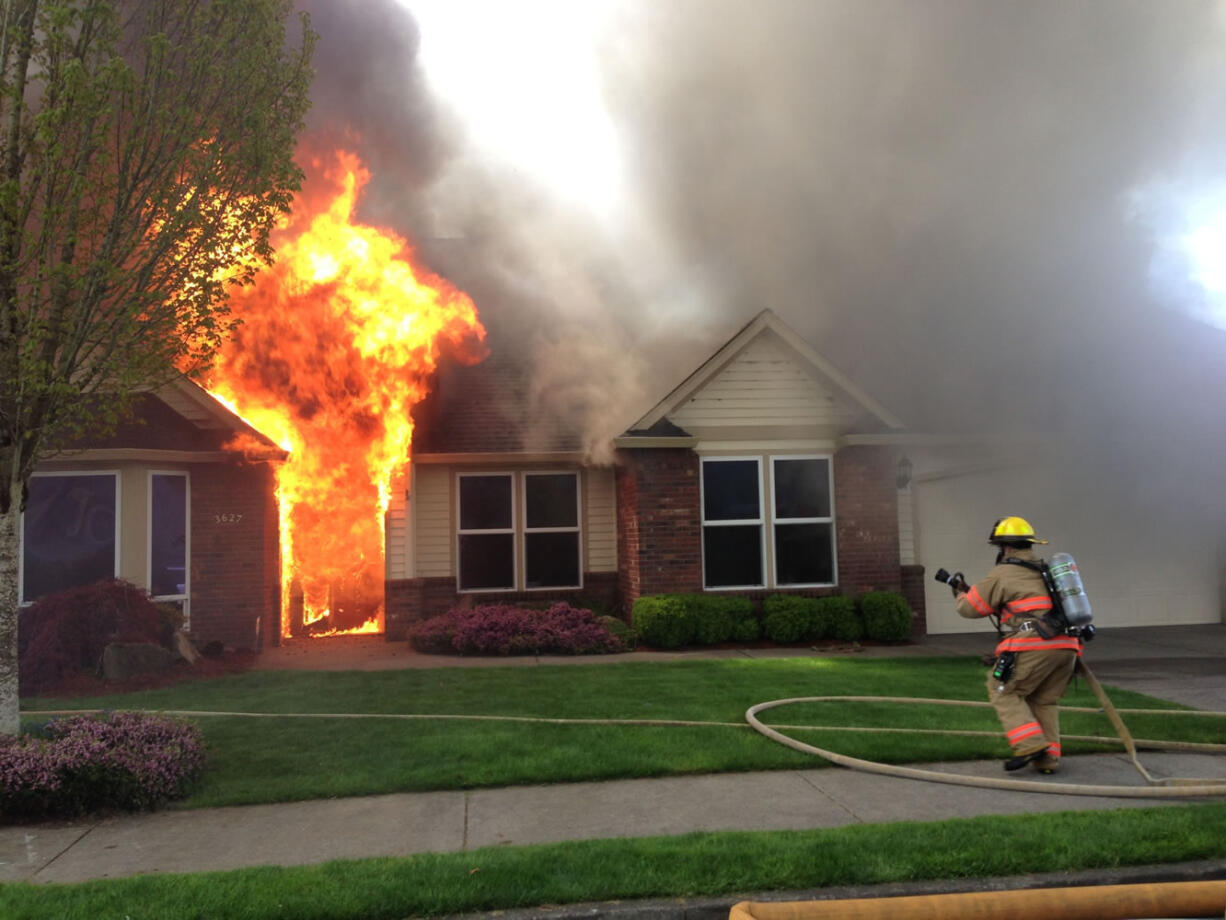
{"x":123,"y":660}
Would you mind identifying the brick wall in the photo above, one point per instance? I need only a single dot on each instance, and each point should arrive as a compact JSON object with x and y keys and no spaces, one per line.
{"x":866,"y":520}
{"x":235,"y":561}
{"x":659,"y":528}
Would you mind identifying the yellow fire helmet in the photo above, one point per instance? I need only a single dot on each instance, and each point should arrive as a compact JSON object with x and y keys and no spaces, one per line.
{"x":1013,"y":530}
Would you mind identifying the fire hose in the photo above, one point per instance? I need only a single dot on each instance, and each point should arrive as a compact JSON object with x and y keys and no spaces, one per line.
{"x":1155,"y":788}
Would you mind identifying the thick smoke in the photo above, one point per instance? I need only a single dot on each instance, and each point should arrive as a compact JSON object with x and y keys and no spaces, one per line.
{"x":961,"y":204}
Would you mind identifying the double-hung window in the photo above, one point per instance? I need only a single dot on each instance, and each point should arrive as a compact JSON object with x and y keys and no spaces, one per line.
{"x":536,"y":548}
{"x":69,"y":533}
{"x":803,"y":521}
{"x":551,"y":530}
{"x":486,"y":532}
{"x":732,"y":535}
{"x":785,"y":541}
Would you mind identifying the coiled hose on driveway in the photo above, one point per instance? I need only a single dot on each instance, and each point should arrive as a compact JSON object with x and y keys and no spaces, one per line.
{"x":1155,"y":788}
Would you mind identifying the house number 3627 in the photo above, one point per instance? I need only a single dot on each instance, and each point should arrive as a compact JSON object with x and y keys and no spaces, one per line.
{"x":232,"y":518}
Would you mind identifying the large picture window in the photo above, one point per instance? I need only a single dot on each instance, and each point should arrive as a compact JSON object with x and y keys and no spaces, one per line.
{"x":551,"y":530}
{"x":803,"y":521}
{"x":168,"y":535}
{"x":732,"y":523}
{"x":486,"y":532}
{"x":69,"y":532}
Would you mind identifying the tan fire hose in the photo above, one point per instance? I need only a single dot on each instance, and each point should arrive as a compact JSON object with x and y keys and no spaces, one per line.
{"x":1101,"y":902}
{"x":1155,"y":788}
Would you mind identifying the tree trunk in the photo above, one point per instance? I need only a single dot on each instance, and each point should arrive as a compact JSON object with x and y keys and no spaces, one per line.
{"x":10,"y":517}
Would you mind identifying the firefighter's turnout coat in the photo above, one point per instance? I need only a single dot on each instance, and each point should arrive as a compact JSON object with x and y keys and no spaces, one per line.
{"x":1027,"y":702}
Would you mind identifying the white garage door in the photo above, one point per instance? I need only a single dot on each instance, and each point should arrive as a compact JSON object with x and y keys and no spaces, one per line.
{"x":1140,"y":566}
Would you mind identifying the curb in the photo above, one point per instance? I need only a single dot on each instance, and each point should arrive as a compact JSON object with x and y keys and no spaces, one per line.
{"x":718,"y":908}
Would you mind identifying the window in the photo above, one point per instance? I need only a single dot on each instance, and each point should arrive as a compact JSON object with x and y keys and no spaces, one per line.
{"x":732,"y":523}
{"x":486,"y":533}
{"x":803,"y":521}
{"x":551,"y":530}
{"x":168,"y":535}
{"x":69,"y":532}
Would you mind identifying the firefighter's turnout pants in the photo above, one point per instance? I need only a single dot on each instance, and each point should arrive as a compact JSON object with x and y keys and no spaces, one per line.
{"x":1028,"y":703}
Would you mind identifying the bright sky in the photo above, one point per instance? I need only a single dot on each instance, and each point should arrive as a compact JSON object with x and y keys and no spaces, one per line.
{"x":522,"y":77}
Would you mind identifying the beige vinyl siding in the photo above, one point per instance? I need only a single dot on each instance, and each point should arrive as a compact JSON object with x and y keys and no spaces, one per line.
{"x":396,"y":560}
{"x":432,"y":520}
{"x":600,"y":516}
{"x":766,"y":384}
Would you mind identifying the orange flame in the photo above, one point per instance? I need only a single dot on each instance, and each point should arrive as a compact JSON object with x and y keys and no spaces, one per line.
{"x":336,"y":344}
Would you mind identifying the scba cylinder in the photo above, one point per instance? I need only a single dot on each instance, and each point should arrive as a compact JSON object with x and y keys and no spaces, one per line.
{"x":1067,"y":580}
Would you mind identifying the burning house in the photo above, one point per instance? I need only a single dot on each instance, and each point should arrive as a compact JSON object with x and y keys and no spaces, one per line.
{"x":765,"y":470}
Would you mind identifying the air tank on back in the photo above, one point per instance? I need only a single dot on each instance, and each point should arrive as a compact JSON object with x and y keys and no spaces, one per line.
{"x":1067,"y":580}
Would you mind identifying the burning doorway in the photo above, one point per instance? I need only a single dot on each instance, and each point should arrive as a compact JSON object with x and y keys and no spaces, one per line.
{"x":337,"y":342}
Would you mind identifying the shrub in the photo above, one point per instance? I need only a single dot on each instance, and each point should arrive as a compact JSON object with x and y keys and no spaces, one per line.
{"x":716,"y":616}
{"x":787,"y":618}
{"x":664,"y":620}
{"x":64,"y":634}
{"x":503,"y":629}
{"x":126,"y":761}
{"x":840,"y":613}
{"x":886,"y":616}
{"x":620,"y":631}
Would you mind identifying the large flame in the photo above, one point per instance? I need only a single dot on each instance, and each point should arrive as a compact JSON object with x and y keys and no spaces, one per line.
{"x":336,"y":344}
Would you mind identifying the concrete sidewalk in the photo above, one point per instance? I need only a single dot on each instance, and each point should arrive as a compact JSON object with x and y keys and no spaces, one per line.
{"x":1183,"y":664}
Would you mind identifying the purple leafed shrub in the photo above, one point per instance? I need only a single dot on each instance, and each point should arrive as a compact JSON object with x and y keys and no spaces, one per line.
{"x":64,"y":634}
{"x":123,"y":761}
{"x":501,"y":629}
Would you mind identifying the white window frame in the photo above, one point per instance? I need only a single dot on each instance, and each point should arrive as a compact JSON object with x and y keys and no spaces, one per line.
{"x":740,"y":522}
{"x":182,"y":599}
{"x":775,"y":521}
{"x":577,"y":530}
{"x":460,"y":532}
{"x":21,"y":537}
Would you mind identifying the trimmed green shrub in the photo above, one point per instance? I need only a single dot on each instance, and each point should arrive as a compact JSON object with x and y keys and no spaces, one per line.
{"x":664,"y":620}
{"x":886,"y":616}
{"x":787,"y":618}
{"x":844,"y":621}
{"x":716,"y":616}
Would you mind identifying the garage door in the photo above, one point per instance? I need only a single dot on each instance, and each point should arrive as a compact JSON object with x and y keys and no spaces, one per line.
{"x":1140,"y":566}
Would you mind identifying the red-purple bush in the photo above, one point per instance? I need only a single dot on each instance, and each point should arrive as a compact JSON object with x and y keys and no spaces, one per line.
{"x":64,"y":634}
{"x":501,"y":629}
{"x":123,"y":761}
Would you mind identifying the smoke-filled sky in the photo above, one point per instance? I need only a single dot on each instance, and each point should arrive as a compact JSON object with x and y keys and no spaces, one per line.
{"x":977,"y":210}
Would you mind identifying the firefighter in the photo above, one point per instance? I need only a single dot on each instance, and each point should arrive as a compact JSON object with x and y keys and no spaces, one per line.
{"x":1041,"y":657}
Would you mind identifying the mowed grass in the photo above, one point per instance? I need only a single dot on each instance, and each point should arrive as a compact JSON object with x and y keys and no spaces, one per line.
{"x":286,"y":758}
{"x":735,"y":864}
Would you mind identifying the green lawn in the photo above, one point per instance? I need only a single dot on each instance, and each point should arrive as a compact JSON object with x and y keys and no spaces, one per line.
{"x":285,"y":758}
{"x":254,"y":760}
{"x":693,"y":865}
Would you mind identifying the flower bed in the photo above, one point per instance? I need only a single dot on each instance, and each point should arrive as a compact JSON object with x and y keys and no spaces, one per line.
{"x":503,"y":629}
{"x":122,"y":761}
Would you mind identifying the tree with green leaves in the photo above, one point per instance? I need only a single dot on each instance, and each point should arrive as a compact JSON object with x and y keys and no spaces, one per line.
{"x":146,"y":151}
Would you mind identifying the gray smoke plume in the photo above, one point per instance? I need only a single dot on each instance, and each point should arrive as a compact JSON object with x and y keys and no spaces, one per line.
{"x":966,"y":206}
